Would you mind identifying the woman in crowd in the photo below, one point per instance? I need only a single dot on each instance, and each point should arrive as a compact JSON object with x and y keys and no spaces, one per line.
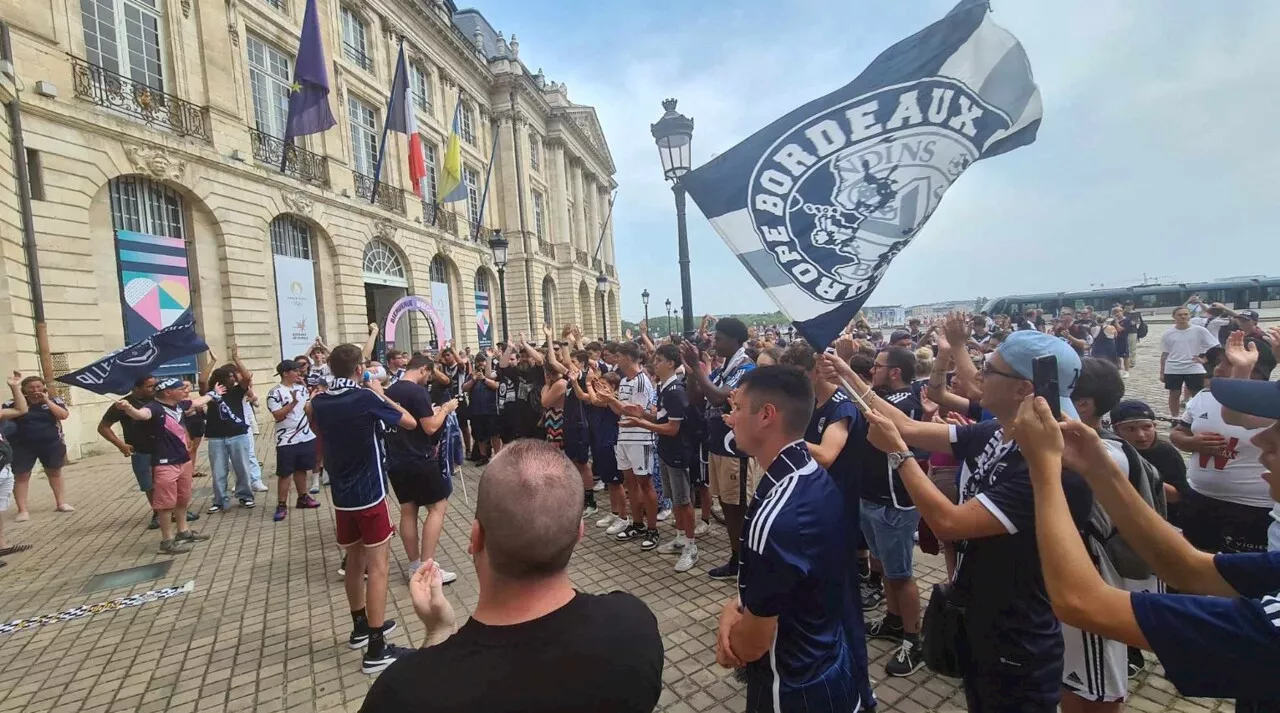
{"x":227,"y":434}
{"x":37,"y":436}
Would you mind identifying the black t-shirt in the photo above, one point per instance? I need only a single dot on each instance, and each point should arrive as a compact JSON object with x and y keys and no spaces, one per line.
{"x":226,"y":415}
{"x":443,"y":392}
{"x":1173,"y":470}
{"x":415,"y":446}
{"x":520,"y":397}
{"x":879,"y":483}
{"x":484,"y":400}
{"x":136,"y":433}
{"x":673,"y":403}
{"x":1009,"y":617}
{"x":594,"y":654}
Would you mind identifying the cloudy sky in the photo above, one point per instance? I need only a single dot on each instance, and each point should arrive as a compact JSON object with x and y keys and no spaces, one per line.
{"x":1160,"y":120}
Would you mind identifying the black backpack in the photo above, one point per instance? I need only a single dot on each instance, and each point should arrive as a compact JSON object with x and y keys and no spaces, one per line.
{"x":1142,"y":328}
{"x":1145,"y":478}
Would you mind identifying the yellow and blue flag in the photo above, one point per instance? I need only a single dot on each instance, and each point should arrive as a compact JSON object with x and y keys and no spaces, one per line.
{"x":451,"y":184}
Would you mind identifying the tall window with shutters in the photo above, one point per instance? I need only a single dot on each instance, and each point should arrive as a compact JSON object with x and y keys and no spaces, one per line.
{"x":429,"y":158}
{"x":364,"y":136}
{"x":472,"y":180}
{"x":535,"y":152}
{"x":125,"y":37}
{"x":468,"y":122}
{"x":539,"y":210}
{"x":355,"y":40}
{"x":420,"y":83}
{"x":270,"y":79}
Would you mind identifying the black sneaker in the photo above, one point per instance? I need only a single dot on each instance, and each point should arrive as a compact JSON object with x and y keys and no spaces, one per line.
{"x":247,"y":502}
{"x":906,"y":660}
{"x":1136,"y":662}
{"x":871,"y":598}
{"x":390,"y":652}
{"x":729,"y":570}
{"x":632,"y":532}
{"x":342,"y":566}
{"x":360,"y":636}
{"x":650,"y":540}
{"x":879,"y":629}
{"x":155,"y":522}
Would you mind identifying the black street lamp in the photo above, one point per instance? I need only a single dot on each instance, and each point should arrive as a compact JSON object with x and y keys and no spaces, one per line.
{"x":668,"y":317}
{"x":602,"y":286}
{"x":674,"y":135}
{"x":644,"y":297}
{"x":498,"y":245}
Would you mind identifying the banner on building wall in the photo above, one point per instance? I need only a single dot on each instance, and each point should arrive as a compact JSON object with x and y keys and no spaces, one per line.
{"x":440,"y":300}
{"x":484,"y":320}
{"x":155,"y":290}
{"x":296,"y":302}
{"x":413,"y":303}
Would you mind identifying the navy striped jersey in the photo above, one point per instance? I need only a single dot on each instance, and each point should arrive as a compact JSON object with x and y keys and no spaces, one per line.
{"x":880,"y":483}
{"x":1221,"y":647}
{"x":794,"y":550}
{"x":728,"y":377}
{"x":351,"y":420}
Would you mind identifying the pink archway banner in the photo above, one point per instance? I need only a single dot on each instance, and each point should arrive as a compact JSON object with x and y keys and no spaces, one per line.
{"x":418,"y":304}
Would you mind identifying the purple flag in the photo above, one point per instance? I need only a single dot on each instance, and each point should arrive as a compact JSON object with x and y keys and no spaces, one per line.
{"x":309,"y":111}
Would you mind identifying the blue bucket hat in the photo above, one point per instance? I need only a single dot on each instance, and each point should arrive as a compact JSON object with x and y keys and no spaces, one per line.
{"x":1020,"y":350}
{"x":167,"y":383}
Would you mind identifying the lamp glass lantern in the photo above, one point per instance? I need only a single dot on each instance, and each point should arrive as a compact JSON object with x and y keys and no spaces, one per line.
{"x":602,"y":284}
{"x":674,"y":136}
{"x":644,"y":297}
{"x":498,"y":245}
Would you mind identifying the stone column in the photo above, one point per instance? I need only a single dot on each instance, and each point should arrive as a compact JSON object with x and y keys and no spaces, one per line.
{"x":579,"y":198}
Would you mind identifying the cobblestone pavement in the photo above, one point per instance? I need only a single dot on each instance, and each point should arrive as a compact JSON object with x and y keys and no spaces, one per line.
{"x":264,"y":628}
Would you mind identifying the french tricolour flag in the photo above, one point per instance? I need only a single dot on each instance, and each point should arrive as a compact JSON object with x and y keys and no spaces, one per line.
{"x":400,"y":118}
{"x":817,"y":204}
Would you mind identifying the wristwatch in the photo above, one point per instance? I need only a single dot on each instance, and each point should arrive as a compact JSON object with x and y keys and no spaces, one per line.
{"x":897,"y":459}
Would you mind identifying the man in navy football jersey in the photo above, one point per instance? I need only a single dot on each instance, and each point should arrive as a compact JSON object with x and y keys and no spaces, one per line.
{"x":350,"y":419}
{"x":1223,"y":644}
{"x":785,"y":627}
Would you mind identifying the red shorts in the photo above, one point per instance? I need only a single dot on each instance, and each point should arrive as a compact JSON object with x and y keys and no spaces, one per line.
{"x":171,"y":485}
{"x":369,"y":527}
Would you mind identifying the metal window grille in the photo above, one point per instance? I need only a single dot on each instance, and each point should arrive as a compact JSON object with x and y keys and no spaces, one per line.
{"x":144,"y":206}
{"x":381,"y":261}
{"x":290,"y":237}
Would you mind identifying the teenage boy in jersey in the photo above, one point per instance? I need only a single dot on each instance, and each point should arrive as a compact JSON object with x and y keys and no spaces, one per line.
{"x":171,"y":467}
{"x":295,"y":442}
{"x":415,"y":468}
{"x":785,"y":627}
{"x":890,"y":520}
{"x":138,"y":439}
{"x":635,"y":447}
{"x":350,"y":420}
{"x":673,"y":451}
{"x":732,"y":474}
{"x":1222,"y":644}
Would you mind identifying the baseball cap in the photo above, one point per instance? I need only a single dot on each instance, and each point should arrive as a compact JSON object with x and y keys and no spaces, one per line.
{"x":170,"y":382}
{"x":1256,"y":398}
{"x":287,"y":365}
{"x":1132,"y":410}
{"x":899,"y":334}
{"x":1020,"y":350}
{"x":1253,"y":316}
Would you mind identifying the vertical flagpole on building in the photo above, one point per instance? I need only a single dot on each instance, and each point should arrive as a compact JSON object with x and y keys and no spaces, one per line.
{"x":386,"y":127}
{"x":484,"y":197}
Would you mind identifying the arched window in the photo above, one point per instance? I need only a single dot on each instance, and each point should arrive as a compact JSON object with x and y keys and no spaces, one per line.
{"x":548,"y":301}
{"x":291,"y":237}
{"x":382,"y":265}
{"x":144,"y":206}
{"x":439,"y":270}
{"x":482,"y":282}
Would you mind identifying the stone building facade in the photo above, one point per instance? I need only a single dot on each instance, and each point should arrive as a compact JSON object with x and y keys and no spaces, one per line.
{"x":155,"y":125}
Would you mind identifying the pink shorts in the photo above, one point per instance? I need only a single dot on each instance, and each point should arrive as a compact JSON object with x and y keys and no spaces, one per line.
{"x":171,"y":485}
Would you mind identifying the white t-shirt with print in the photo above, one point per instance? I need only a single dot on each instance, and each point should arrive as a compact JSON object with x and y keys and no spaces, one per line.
{"x":1235,"y":477}
{"x":1183,"y":346}
{"x":295,"y":427}
{"x":636,"y":390}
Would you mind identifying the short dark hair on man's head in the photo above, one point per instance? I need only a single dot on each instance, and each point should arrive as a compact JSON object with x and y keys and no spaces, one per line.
{"x":345,"y":361}
{"x":733,"y":328}
{"x":861,"y":364}
{"x":1101,"y":381}
{"x":670,"y":352}
{"x":142,"y":380}
{"x":800,"y":355}
{"x":609,"y":347}
{"x":419,"y":361}
{"x":530,"y":507}
{"x":902,"y":359}
{"x":395,"y":354}
{"x":223,"y":374}
{"x":788,"y":389}
{"x":629,"y":350}
{"x":593,"y":346}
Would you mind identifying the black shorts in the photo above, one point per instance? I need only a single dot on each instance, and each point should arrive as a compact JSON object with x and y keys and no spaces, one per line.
{"x":513,"y":428}
{"x":1175,"y":382}
{"x":422,"y":483}
{"x":604,"y":463}
{"x":576,"y":446}
{"x":195,"y":427}
{"x":698,"y":477}
{"x":51,"y":455}
{"x":1215,"y":526}
{"x":484,"y":426}
{"x":295,"y":458}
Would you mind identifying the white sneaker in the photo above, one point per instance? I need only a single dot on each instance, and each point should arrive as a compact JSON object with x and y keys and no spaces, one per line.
{"x":688,"y":557}
{"x":324,"y":477}
{"x":703,"y":528}
{"x":258,"y":486}
{"x":589,"y":510}
{"x":674,"y":546}
{"x":447,"y":576}
{"x":598,"y":486}
{"x":618,"y":525}
{"x":1124,"y":374}
{"x":313,"y":483}
{"x":607,"y":520}
{"x":414,"y":566}
{"x":664,"y":515}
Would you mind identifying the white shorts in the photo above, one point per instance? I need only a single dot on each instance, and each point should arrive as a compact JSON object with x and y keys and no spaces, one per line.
{"x":1094,"y":668}
{"x":6,"y":488}
{"x":635,"y":457}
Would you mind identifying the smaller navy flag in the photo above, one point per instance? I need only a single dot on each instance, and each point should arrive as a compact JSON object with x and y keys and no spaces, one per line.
{"x":116,"y":373}
{"x":309,"y":111}
{"x":817,"y":204}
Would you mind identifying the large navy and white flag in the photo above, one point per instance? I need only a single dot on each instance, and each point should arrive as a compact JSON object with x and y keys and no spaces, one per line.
{"x":819,"y":202}
{"x":117,"y":372}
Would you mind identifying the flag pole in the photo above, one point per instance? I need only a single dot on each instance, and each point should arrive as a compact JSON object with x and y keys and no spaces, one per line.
{"x":386,"y":127}
{"x":605,"y":225}
{"x":484,"y":197}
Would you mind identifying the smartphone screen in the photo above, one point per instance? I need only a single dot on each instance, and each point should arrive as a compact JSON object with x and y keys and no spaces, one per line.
{"x":1044,"y":377}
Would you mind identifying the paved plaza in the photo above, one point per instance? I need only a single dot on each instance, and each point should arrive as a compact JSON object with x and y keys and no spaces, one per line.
{"x":265,"y":626}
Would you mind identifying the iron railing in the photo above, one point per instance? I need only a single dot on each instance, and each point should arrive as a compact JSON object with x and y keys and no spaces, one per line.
{"x":475,"y":232}
{"x":595,"y":264}
{"x":119,"y":93}
{"x":443,"y":219}
{"x":545,"y":248}
{"x":581,"y":257}
{"x":358,"y":57}
{"x":608,"y":270}
{"x":389,"y":197}
{"x":298,"y":162}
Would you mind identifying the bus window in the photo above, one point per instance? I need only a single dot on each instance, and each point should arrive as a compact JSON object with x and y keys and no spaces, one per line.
{"x":1273,"y":293}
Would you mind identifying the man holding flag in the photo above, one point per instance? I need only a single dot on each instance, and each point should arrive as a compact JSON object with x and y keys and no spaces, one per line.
{"x":816,"y":206}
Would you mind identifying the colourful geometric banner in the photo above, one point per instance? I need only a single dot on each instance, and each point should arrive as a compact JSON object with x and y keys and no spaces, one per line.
{"x":484,"y":320}
{"x":155,"y":289}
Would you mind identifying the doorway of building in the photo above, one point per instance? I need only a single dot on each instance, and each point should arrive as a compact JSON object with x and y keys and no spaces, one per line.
{"x":385,"y":281}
